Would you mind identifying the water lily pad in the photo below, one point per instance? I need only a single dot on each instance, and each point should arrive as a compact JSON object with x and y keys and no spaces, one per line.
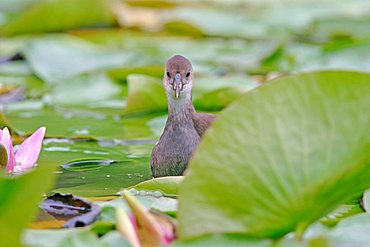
{"x":86,"y":121}
{"x":146,"y":94}
{"x":101,"y":177}
{"x":75,"y":56}
{"x":88,"y":164}
{"x":48,"y":238}
{"x":281,"y":157}
{"x":166,"y":185}
{"x":88,"y":88}
{"x":41,"y":16}
{"x":224,"y":240}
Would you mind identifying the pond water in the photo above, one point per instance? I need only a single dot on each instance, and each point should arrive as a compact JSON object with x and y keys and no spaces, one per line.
{"x":111,"y":153}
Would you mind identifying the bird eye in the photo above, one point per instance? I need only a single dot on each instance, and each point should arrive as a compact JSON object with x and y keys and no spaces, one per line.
{"x":188,"y":74}
{"x":168,"y":74}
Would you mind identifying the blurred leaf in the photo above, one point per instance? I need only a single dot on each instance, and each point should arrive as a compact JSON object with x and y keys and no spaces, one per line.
{"x":82,"y":239}
{"x":145,"y":94}
{"x":75,"y":56}
{"x":214,"y":93}
{"x":88,"y":88}
{"x":166,"y":185}
{"x":48,"y":238}
{"x":14,"y":5}
{"x":292,"y":150}
{"x":224,"y":240}
{"x":114,"y":239}
{"x":211,"y":56}
{"x":15,"y":193}
{"x":59,"y":15}
{"x":17,"y":68}
{"x":354,"y":57}
{"x":96,"y":121}
{"x":5,"y":123}
{"x":340,"y":213}
{"x":123,"y":73}
{"x":352,"y":231}
{"x":147,"y":199}
{"x":218,"y":22}
{"x":355,"y":28}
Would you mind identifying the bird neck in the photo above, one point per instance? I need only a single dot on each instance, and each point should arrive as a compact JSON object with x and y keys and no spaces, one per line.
{"x":180,"y":108}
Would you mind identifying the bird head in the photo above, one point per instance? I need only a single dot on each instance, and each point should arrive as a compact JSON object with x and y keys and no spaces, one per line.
{"x":178,"y":76}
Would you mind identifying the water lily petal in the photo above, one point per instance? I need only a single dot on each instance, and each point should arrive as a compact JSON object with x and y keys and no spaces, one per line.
{"x":7,"y":142}
{"x":126,"y":227}
{"x":28,"y":152}
{"x":153,"y":229}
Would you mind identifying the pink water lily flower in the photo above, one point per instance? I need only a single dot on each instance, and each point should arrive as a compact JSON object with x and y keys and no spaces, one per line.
{"x":27,"y":153}
{"x":142,"y":227}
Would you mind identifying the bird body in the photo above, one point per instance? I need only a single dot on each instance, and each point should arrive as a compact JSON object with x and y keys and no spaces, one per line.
{"x":184,"y":127}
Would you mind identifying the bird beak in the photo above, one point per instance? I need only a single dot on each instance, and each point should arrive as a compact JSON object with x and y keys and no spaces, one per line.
{"x":177,"y":85}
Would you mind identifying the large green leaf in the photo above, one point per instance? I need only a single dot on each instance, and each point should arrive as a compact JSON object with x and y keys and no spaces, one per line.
{"x":280,"y":158}
{"x":57,"y":15}
{"x":19,"y":202}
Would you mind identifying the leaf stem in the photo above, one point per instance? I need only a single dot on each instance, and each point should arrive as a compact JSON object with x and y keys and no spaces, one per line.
{"x":299,"y":231}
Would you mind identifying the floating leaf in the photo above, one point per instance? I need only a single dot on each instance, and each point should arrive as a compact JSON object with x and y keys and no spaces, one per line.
{"x":75,"y":56}
{"x":103,"y":180}
{"x":354,"y":27}
{"x":150,"y":200}
{"x":354,"y":231}
{"x":145,"y":94}
{"x":351,"y":57}
{"x":44,"y":15}
{"x":86,"y":165}
{"x":224,"y":240}
{"x":166,"y":185}
{"x":218,"y":22}
{"x":88,"y":88}
{"x":83,"y":239}
{"x":281,"y":157}
{"x":340,"y":213}
{"x":48,"y":238}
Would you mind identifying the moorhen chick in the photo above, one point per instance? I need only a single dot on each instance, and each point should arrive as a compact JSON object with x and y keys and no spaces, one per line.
{"x":184,"y":127}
